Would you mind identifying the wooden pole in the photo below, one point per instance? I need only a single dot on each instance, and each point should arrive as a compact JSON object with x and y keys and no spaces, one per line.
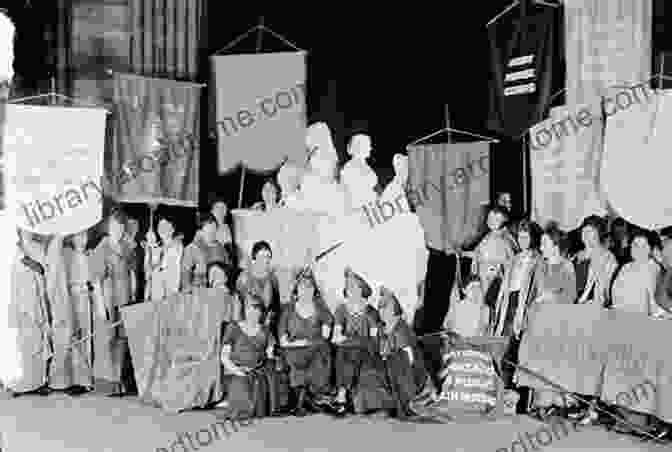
{"x":260,"y":35}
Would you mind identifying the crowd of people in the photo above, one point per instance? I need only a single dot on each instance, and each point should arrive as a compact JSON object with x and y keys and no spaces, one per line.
{"x":299,"y":354}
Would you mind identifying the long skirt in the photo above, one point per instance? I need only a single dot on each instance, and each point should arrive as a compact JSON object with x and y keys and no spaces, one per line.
{"x":71,"y":366}
{"x":363,"y":372}
{"x":309,"y":366}
{"x":257,"y":394}
{"x":406,"y":380}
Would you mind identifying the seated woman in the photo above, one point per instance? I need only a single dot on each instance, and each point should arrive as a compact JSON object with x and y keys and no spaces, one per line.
{"x":634,"y":288}
{"x":304,"y":330}
{"x":250,"y":378}
{"x":260,"y":280}
{"x":469,"y":317}
{"x":270,"y":194}
{"x":360,"y":372}
{"x":403,"y":359}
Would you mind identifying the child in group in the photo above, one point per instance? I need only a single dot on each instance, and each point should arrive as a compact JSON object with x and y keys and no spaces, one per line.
{"x":399,"y":348}
{"x":359,"y":369}
{"x":469,"y":317}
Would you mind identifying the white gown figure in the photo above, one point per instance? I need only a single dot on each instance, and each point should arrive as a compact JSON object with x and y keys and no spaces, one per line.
{"x":357,"y":176}
{"x":393,"y":253}
{"x":318,"y":190}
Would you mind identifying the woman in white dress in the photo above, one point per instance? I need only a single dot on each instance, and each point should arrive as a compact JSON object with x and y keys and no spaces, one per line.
{"x":74,"y":297}
{"x":163,"y":261}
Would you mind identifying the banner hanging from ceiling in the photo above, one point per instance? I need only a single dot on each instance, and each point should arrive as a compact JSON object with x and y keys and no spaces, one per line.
{"x":449,"y":183}
{"x":522,"y":58}
{"x":260,"y":109}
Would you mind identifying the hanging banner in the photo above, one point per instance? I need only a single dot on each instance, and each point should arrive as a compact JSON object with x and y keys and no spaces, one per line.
{"x":55,"y":159}
{"x":449,"y":184}
{"x":260,"y":105}
{"x":637,"y":158}
{"x":608,"y":44}
{"x":608,"y":52}
{"x":566,"y":177}
{"x":521,"y":71}
{"x":155,"y":155}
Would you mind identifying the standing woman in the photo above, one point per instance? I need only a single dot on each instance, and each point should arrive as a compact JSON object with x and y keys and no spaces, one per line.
{"x":270,"y":196}
{"x":203,"y":250}
{"x":517,"y":292}
{"x":29,"y":315}
{"x":163,"y":261}
{"x":304,"y":330}
{"x":260,"y":280}
{"x":220,"y":211}
{"x":493,"y":255}
{"x":74,"y":299}
{"x":518,"y":288}
{"x":112,"y":267}
{"x":556,"y":284}
{"x":598,"y":262}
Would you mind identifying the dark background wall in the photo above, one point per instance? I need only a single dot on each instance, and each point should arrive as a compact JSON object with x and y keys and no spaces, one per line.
{"x":389,"y":72}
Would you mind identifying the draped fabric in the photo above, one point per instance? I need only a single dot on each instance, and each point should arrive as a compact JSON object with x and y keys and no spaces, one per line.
{"x":522,"y":66}
{"x":155,"y":156}
{"x":166,"y":37}
{"x":608,"y":48}
{"x":449,"y":183}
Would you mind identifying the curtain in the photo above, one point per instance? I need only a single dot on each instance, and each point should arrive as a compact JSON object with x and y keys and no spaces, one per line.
{"x":166,"y":37}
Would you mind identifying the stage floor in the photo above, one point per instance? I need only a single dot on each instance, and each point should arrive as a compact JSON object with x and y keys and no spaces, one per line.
{"x":94,"y":423}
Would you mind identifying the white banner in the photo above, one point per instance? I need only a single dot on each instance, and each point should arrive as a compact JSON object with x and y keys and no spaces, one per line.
{"x":637,"y":161}
{"x":55,"y":167}
{"x":260,"y":104}
{"x":565,"y":176}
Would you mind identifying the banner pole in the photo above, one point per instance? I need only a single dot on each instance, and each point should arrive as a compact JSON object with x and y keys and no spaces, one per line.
{"x":260,"y":35}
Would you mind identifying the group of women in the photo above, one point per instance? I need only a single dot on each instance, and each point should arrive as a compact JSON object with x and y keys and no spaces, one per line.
{"x":303,"y":355}
{"x":523,"y":267}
